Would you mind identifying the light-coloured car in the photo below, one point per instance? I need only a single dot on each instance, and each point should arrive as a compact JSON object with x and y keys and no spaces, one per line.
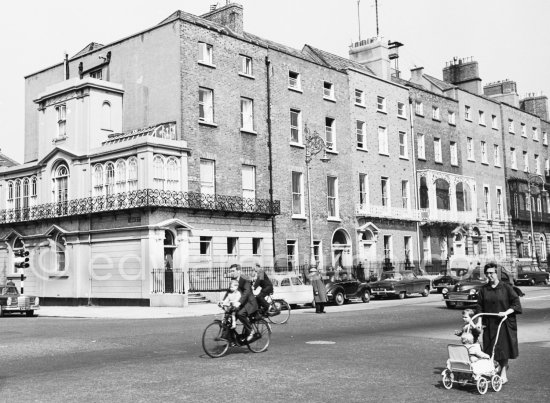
{"x":13,"y":302}
{"x":291,"y":288}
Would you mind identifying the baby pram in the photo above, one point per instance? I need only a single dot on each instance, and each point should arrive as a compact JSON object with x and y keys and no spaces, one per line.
{"x":460,"y":370}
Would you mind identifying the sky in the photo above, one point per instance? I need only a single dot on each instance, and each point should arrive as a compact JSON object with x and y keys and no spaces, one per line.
{"x":508,"y":38}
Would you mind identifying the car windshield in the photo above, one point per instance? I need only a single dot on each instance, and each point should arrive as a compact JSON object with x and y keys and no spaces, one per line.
{"x":392,"y":276}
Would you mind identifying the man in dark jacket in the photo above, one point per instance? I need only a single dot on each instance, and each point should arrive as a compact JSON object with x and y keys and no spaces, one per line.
{"x":247,"y":304}
{"x":266,"y":287}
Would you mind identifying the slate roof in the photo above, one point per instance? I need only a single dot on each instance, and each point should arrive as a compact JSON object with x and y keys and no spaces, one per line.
{"x":6,"y":161}
{"x":442,"y":85}
{"x":335,"y":61}
{"x":90,"y":47}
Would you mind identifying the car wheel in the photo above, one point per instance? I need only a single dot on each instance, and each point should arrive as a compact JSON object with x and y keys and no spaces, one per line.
{"x":339,"y":298}
{"x":366,"y":296}
{"x":426,"y":291}
{"x":532,"y":282}
{"x":30,"y":313}
{"x":450,"y":305}
{"x":402,"y":295}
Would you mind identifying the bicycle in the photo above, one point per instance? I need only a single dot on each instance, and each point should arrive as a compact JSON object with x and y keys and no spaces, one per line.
{"x":216,"y":345}
{"x":279,"y":310}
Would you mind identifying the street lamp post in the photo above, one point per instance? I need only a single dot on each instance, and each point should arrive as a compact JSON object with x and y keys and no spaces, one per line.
{"x":314,"y":144}
{"x":533,"y":179}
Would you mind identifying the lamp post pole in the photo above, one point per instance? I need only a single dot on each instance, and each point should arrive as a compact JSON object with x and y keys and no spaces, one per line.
{"x":532,"y":178}
{"x":314,"y":144}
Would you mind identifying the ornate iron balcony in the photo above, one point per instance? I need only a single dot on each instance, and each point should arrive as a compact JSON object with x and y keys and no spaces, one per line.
{"x":145,"y":198}
{"x":392,"y":213}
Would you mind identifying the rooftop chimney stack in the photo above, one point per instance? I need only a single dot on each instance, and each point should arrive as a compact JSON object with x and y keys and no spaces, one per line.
{"x":374,"y":54}
{"x":464,"y":73}
{"x":417,"y":74}
{"x":535,"y":104}
{"x":503,"y":91}
{"x":230,"y":15}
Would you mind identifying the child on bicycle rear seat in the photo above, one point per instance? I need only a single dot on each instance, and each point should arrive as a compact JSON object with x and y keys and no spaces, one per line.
{"x":474,"y":328}
{"x":231,"y":301}
{"x":481,"y":362}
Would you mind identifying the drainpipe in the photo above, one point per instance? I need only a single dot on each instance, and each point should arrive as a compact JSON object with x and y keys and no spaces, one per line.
{"x":270,"y":150}
{"x":415,"y":180}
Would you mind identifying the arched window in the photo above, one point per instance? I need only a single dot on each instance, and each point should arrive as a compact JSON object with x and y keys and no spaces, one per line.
{"x":10,"y":194}
{"x":172,"y":174}
{"x":442,"y":194}
{"x":158,"y":173}
{"x":109,"y":178}
{"x":17,"y":194}
{"x":132,"y":174}
{"x":106,"y":116}
{"x":61,"y":186}
{"x":98,"y":180}
{"x":120,"y":176}
{"x":529,"y":244}
{"x":34,"y":190}
{"x":543,"y":253}
{"x":60,"y":247}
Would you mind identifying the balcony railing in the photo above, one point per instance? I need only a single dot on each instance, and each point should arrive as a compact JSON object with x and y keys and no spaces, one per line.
{"x":438,"y":215}
{"x":139,"y":199}
{"x":396,"y":213}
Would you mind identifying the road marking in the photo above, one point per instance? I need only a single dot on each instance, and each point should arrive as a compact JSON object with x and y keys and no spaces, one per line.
{"x":320,"y":342}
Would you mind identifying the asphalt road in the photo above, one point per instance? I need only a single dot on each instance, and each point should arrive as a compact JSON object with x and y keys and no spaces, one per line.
{"x":381,"y":351}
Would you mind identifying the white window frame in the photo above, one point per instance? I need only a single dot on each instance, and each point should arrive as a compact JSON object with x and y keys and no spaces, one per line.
{"x":403,"y":145}
{"x":364,"y":189}
{"x":523,"y":130}
{"x":401,"y":110}
{"x":500,"y":203}
{"x":427,"y":248}
{"x":490,"y":246}
{"x":359,"y":97}
{"x":537,"y":164}
{"x":481,"y":118}
{"x":207,"y":176}
{"x":257,"y":246}
{"x":206,"y":53}
{"x":421,"y":145}
{"x":419,"y":108}
{"x":525,"y":161}
{"x":361,"y":134}
{"x":388,"y":246}
{"x":454,"y":153}
{"x":297,"y":129}
{"x":332,"y":198}
{"x":61,"y":111}
{"x":297,"y":192}
{"x":380,"y":104}
{"x":206,"y":105}
{"x":511,"y":127}
{"x":535,"y":134}
{"x":438,"y":157}
{"x":405,"y":195}
{"x":249,"y":181}
{"x":494,"y":122}
{"x":496,"y":155}
{"x":502,"y":246}
{"x":513,"y":158}
{"x":385,"y":192}
{"x":383,"y":147}
{"x":545,"y":138}
{"x":246,"y":66}
{"x":330,"y":134}
{"x":436,"y":114}
{"x":292,"y":253}
{"x":328,"y":90}
{"x":483,"y":146}
{"x":487,"y":199}
{"x":205,"y":247}
{"x":470,"y":149}
{"x":451,"y":117}
{"x":232,"y":247}
{"x":467,"y":113}
{"x":294,"y":81}
{"x":247,"y":114}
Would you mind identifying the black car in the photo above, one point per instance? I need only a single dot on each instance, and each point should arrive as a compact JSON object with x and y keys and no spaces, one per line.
{"x":531,"y":275}
{"x":448,"y":280}
{"x":466,"y":291}
{"x":342,"y":286}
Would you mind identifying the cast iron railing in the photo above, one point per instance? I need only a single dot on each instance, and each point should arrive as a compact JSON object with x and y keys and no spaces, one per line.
{"x":168,"y":281}
{"x":140,"y":199}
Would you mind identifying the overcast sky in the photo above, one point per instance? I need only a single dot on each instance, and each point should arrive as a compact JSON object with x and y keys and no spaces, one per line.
{"x":509,"y":38}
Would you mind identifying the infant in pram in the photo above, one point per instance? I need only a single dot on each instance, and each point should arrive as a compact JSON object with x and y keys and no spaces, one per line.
{"x":480,"y":362}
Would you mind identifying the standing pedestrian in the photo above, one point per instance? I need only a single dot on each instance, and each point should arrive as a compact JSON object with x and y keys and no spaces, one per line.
{"x":499,"y":297}
{"x":319,"y":290}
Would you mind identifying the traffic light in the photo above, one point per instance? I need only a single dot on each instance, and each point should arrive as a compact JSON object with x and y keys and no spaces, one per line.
{"x":21,"y":260}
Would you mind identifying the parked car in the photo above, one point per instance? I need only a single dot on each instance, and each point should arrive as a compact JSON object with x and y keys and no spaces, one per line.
{"x":448,"y":280}
{"x":13,"y":302}
{"x":292,"y":289}
{"x":466,"y":291}
{"x":531,"y":275}
{"x":400,"y":284}
{"x":343,"y":286}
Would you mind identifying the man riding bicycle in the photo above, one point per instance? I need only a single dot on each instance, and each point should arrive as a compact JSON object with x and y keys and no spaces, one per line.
{"x":247,"y":304}
{"x":266,"y":288}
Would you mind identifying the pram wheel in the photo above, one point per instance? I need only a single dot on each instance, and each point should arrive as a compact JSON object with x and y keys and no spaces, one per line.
{"x":496,"y":383}
{"x":447,"y":379}
{"x":482,"y":385}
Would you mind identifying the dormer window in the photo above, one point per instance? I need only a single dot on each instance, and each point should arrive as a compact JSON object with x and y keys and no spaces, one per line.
{"x":98,"y":74}
{"x":61,"y":111}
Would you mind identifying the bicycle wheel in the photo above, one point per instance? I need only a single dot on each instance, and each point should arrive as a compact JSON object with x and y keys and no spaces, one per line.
{"x":279,"y":312}
{"x":262,"y":336}
{"x":211,"y":342}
